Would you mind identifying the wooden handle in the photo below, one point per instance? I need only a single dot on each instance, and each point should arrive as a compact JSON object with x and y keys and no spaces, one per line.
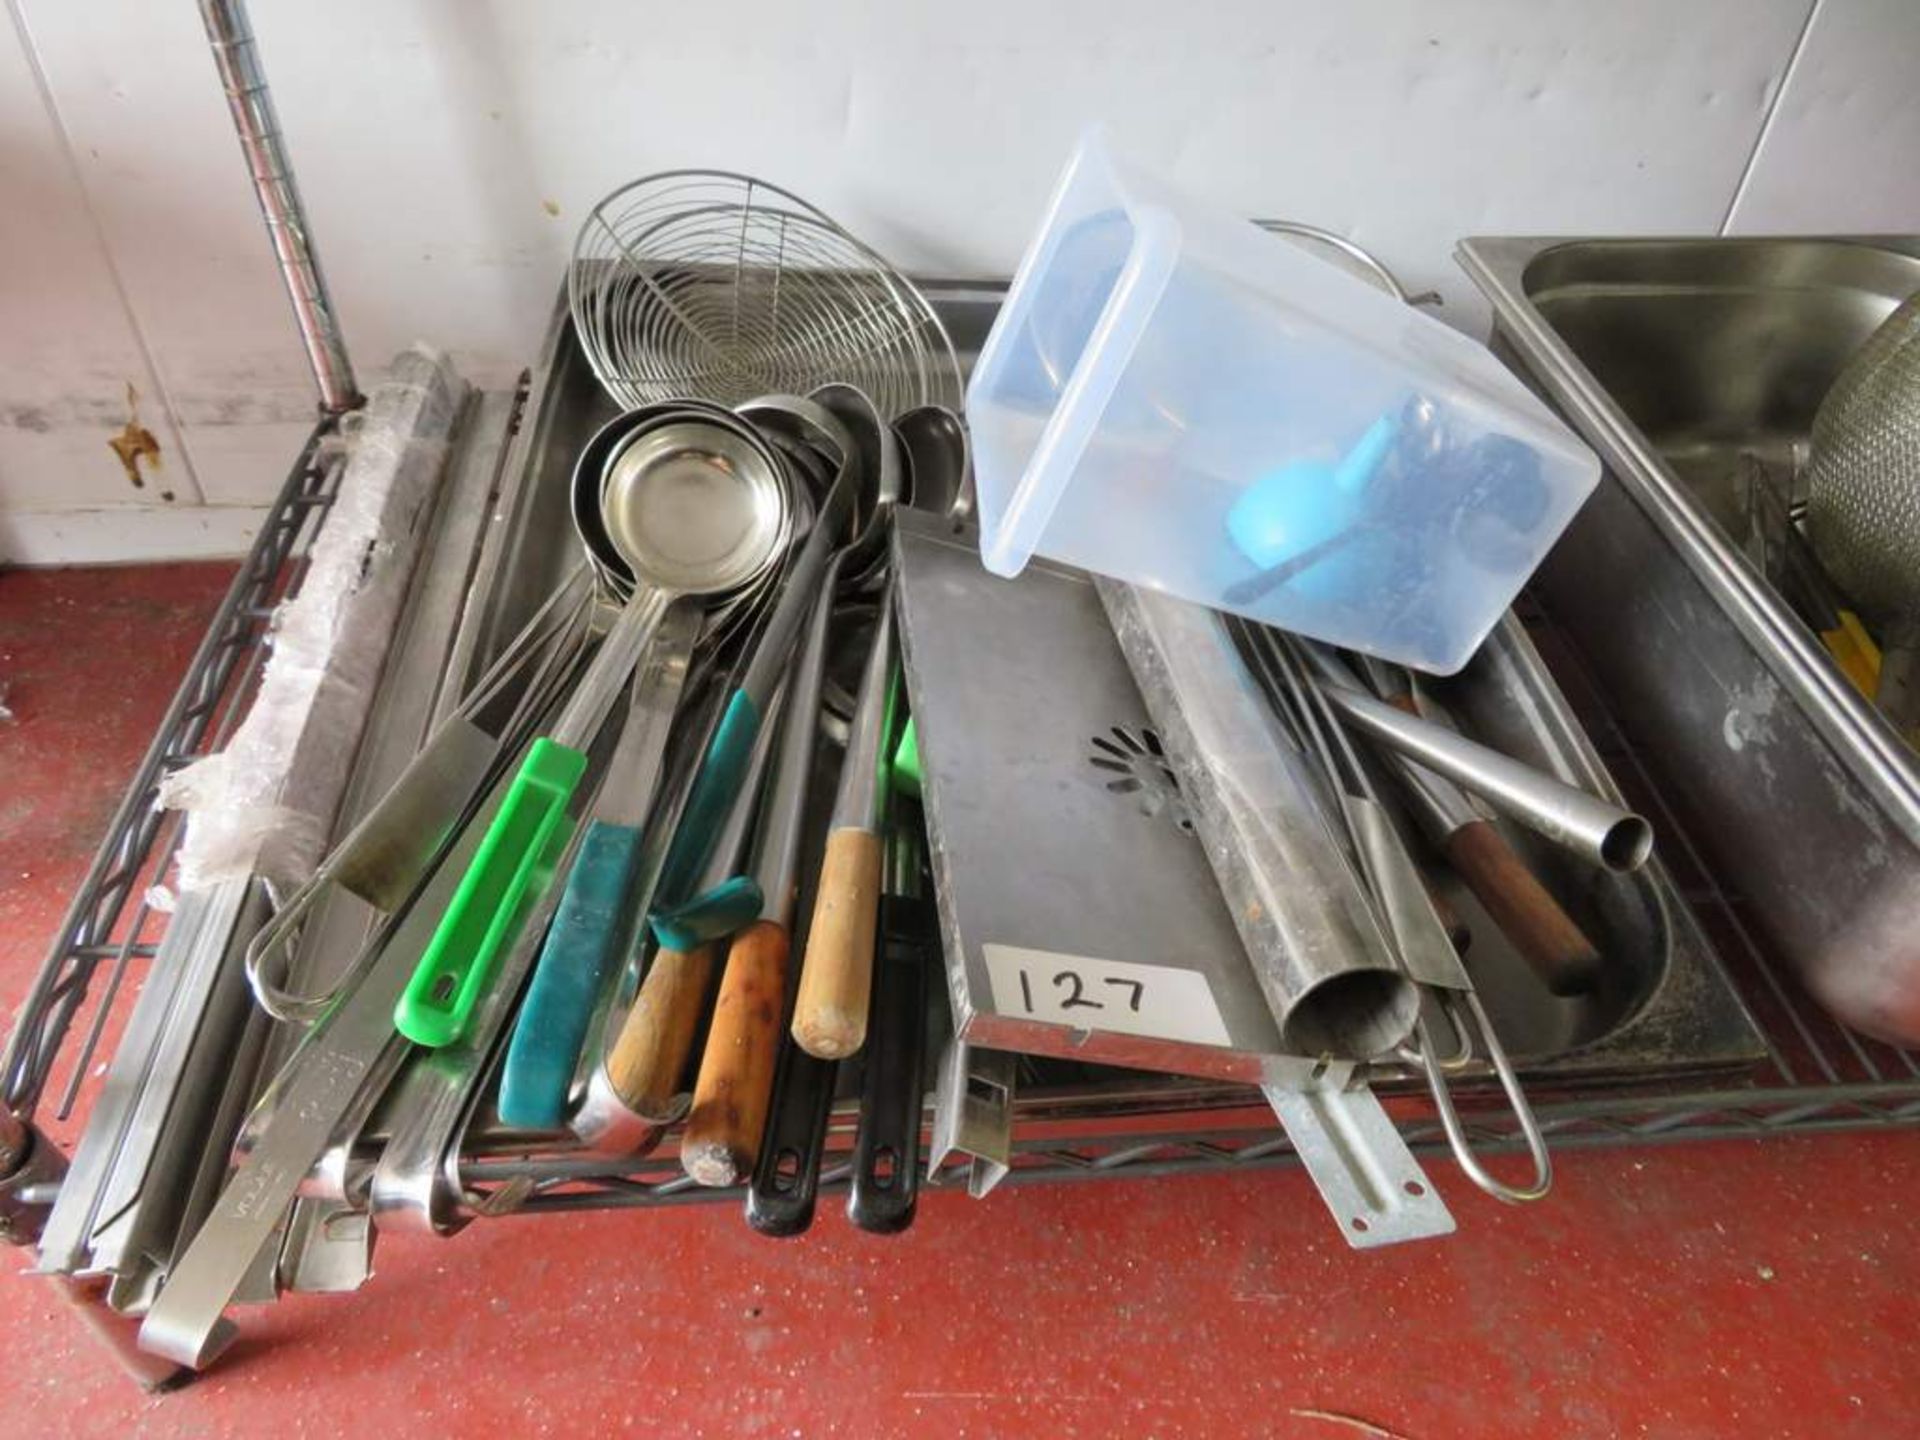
{"x":730,"y":1097}
{"x":836,"y":976}
{"x":649,"y":1057}
{"x":1544,"y":934}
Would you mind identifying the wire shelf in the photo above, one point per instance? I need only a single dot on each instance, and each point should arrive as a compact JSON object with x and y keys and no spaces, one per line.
{"x":112,"y":921}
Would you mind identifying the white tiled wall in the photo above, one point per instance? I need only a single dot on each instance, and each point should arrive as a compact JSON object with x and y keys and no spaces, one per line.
{"x":1842,"y":151}
{"x":447,"y":148}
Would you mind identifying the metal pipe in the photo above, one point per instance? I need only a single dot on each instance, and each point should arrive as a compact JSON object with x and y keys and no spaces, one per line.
{"x":1595,"y":828}
{"x":1317,"y":949}
{"x":238,"y":60}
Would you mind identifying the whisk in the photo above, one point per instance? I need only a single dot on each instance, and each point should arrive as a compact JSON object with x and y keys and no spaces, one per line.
{"x":716,"y":285}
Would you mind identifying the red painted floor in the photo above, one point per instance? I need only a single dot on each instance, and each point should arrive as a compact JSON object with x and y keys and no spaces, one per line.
{"x":1733,"y":1289}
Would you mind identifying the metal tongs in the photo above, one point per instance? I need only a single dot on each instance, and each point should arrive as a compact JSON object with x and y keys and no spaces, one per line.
{"x":1399,"y":892}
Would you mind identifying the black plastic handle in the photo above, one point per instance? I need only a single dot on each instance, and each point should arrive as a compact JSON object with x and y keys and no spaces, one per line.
{"x":886,"y":1152}
{"x":786,"y":1178}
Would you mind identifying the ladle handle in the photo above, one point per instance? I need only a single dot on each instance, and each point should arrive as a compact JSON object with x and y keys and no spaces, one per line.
{"x":836,"y":976}
{"x":722,"y":770}
{"x":613,"y":664}
{"x":650,"y":1054}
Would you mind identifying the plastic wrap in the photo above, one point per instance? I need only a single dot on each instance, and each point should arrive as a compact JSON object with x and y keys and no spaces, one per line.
{"x":265,"y":803}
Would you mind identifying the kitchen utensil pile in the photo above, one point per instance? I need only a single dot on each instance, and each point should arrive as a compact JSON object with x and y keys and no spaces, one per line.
{"x":678,"y":871}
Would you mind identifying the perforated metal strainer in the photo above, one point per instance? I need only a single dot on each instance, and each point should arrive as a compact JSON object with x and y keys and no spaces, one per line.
{"x":1863,"y":475}
{"x":1863,"y":499}
{"x":720,"y":286}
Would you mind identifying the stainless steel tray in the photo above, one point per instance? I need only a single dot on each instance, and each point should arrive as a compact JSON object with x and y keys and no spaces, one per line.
{"x":1673,"y":358}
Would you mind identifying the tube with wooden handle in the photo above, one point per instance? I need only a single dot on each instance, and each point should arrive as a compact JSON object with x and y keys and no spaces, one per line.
{"x":733,"y":1090}
{"x":836,"y":975}
{"x":649,"y":1056}
{"x":1596,"y":828}
{"x":1557,"y":950}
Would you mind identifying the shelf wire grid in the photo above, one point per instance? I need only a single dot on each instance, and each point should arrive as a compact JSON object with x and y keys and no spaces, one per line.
{"x":113,"y":920}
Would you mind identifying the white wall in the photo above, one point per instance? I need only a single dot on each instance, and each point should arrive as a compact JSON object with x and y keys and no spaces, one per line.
{"x":435,"y":141}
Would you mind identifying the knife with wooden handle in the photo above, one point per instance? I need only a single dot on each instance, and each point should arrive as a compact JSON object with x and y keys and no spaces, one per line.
{"x":648,"y":1058}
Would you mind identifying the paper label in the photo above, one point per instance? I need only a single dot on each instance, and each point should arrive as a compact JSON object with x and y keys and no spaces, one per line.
{"x":1162,"y":1001}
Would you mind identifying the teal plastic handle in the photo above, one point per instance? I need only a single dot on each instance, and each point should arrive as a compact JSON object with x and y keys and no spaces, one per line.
{"x":722,"y":770}
{"x":729,"y":906}
{"x":515,"y":860}
{"x":573,"y":967}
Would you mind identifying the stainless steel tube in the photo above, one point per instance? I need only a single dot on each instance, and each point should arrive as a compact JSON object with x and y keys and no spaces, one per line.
{"x":1317,"y":948}
{"x":238,"y":60}
{"x":1595,"y":828}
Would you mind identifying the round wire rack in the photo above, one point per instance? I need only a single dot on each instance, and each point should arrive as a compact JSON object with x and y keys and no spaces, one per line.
{"x":720,"y":286}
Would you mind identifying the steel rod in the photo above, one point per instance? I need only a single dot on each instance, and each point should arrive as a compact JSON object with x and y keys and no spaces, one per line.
{"x":1596,"y":828}
{"x":237,"y":58}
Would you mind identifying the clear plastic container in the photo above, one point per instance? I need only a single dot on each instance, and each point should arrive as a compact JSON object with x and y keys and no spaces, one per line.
{"x":1174,"y":397}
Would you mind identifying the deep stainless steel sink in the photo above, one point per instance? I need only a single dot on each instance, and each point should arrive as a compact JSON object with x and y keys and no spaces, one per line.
{"x":1674,"y":359}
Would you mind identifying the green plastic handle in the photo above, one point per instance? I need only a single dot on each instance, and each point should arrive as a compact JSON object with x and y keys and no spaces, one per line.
{"x":515,"y":861}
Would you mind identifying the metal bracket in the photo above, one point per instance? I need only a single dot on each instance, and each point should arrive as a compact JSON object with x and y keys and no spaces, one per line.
{"x":973,"y":1114}
{"x":1360,"y":1165}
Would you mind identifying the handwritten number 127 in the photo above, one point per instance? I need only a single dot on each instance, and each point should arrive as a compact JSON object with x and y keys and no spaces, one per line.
{"x":1074,"y":991}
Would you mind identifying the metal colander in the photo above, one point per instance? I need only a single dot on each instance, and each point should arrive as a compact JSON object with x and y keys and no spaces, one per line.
{"x":720,"y":286}
{"x":1863,"y":474}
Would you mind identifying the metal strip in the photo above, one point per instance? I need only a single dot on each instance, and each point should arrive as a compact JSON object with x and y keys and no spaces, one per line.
{"x":1376,"y":1190}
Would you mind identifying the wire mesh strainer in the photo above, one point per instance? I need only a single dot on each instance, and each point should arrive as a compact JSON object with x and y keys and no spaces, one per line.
{"x":705,"y":283}
{"x":1863,"y":499}
{"x":1863,"y":478}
